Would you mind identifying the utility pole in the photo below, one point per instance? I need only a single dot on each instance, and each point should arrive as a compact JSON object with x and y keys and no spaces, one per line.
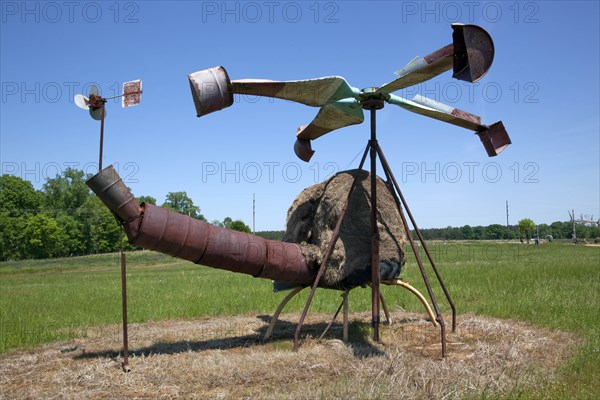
{"x":254,"y":213}
{"x":572,"y":215}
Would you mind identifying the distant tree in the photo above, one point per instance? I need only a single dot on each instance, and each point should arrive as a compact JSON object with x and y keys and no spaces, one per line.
{"x":495,"y":232}
{"x":66,"y":192}
{"x":237,"y":225}
{"x":73,"y":237}
{"x":146,"y":199}
{"x":181,"y":203}
{"x":467,"y":232}
{"x":100,"y":230}
{"x":17,"y":196}
{"x":479,"y":233}
{"x":12,"y":239}
{"x":271,"y":235}
{"x":44,"y":238}
{"x":526,"y":227}
{"x":216,"y":222}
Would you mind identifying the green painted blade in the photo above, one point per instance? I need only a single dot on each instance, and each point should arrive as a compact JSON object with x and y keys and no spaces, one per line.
{"x":434,"y":109}
{"x":312,"y":92}
{"x":421,"y":69}
{"x":331,"y":117}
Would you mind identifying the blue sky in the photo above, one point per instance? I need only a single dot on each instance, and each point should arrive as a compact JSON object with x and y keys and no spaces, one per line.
{"x":544,"y":85}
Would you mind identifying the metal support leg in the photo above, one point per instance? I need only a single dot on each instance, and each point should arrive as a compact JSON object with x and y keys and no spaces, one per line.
{"x":375,"y":276}
{"x":345,"y":323}
{"x":405,"y":285}
{"x":420,"y":236}
{"x":336,"y":232}
{"x":344,"y":306}
{"x":400,"y":202}
{"x":280,"y":308}
{"x":386,"y":312}
{"x":124,"y":304}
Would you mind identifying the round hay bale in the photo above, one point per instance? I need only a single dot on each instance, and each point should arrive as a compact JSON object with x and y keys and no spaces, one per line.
{"x":312,"y":218}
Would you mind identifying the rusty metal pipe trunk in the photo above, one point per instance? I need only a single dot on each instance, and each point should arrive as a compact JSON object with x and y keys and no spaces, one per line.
{"x":165,"y":231}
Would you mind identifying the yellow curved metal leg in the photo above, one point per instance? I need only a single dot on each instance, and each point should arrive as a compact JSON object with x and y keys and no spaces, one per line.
{"x":398,"y":282}
{"x":275,"y":317}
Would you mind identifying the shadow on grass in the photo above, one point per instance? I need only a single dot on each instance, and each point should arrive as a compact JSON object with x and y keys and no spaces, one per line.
{"x":282,"y":337}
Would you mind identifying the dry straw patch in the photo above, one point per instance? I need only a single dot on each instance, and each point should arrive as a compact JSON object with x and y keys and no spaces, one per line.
{"x":222,"y":358}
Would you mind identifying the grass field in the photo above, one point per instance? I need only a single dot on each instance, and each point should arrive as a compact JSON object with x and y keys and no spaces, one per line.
{"x":553,"y":285}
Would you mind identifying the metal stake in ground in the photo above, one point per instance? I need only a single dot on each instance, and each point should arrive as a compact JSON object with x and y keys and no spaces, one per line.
{"x":124,"y":304}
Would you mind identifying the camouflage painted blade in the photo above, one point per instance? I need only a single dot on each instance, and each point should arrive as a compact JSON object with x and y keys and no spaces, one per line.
{"x":434,"y":109}
{"x":421,"y":69}
{"x":312,"y":92}
{"x":331,"y":117}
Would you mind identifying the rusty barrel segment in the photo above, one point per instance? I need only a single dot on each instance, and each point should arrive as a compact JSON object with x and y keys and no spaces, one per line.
{"x":165,"y":231}
{"x":211,"y":90}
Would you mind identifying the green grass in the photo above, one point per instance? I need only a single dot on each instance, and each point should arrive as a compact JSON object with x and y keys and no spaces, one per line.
{"x":553,"y":285}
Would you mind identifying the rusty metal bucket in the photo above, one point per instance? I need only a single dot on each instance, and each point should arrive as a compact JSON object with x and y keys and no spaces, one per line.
{"x":473,"y":52}
{"x":211,"y":90}
{"x":494,"y":139}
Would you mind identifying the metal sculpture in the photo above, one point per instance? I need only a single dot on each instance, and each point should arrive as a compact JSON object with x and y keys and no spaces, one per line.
{"x":96,"y":105}
{"x":470,"y":55}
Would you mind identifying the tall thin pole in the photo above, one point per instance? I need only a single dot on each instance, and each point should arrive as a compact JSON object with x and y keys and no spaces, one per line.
{"x":253,"y":213}
{"x":374,"y":231}
{"x":101,"y":137}
{"x":124,"y":304}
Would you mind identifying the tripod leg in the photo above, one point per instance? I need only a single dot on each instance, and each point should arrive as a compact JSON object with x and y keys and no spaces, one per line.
{"x":386,"y":312}
{"x":275,"y":317}
{"x":345,"y":324}
{"x":439,"y":317}
{"x":328,"y":252}
{"x":420,"y":236}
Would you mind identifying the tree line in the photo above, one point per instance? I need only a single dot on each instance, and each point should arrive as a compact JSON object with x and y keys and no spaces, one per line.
{"x":65,"y":218}
{"x":525,"y":230}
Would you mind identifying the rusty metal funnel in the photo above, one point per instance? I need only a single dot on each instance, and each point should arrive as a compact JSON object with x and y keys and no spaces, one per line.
{"x":211,"y":90}
{"x":473,"y":52}
{"x":165,"y":231}
{"x":111,"y":189}
{"x":494,"y":139}
{"x":303,"y":149}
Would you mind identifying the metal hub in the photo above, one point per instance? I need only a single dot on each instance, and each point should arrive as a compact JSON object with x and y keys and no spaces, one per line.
{"x":370,"y":99}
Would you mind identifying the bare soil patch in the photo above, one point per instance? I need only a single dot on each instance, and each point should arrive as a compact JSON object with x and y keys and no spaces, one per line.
{"x":222,"y":358}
